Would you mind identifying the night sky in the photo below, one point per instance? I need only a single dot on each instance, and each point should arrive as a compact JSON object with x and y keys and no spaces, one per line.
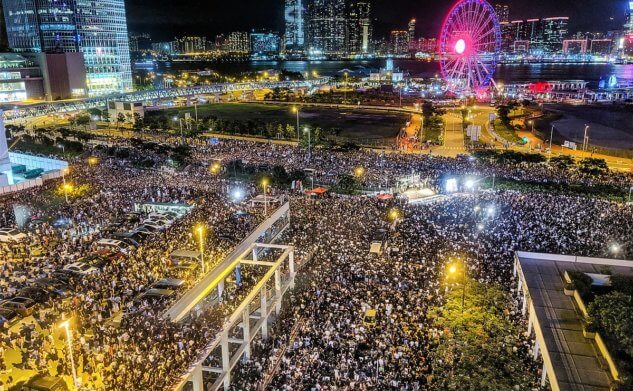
{"x":165,"y":19}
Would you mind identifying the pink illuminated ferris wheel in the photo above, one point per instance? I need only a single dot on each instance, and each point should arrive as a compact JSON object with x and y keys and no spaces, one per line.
{"x":469,"y":45}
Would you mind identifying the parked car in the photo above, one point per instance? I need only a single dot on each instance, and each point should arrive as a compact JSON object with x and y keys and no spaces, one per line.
{"x":8,"y":317}
{"x":64,"y":276}
{"x":11,"y":235}
{"x":22,"y":305}
{"x":127,"y":238}
{"x":55,"y":287}
{"x":35,"y":293}
{"x":154,"y":226}
{"x":157,"y":294}
{"x":81,"y":268}
{"x":148,"y":229}
{"x":173,"y":284}
{"x":41,"y":382}
{"x":114,"y":244}
{"x":185,"y":268}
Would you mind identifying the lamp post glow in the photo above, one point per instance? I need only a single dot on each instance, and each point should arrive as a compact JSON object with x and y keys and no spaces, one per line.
{"x":453,"y":270}
{"x":296,"y":110}
{"x":69,"y":341}
{"x":67,"y":187}
{"x":200,"y":231}
{"x":359,"y":172}
{"x":265,"y":185}
{"x":307,"y":130}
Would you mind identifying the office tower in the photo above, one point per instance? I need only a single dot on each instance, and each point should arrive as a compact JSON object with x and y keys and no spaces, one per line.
{"x":264,"y":43}
{"x":399,"y":42}
{"x":326,"y":27}
{"x":359,"y":27}
{"x":98,"y":29}
{"x":555,"y":30}
{"x":294,"y":37}
{"x":503,"y":12}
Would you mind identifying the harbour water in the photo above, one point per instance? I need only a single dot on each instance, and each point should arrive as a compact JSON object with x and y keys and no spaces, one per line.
{"x":506,"y":73}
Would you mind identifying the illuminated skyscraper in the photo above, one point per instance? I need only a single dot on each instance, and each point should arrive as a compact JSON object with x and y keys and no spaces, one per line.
{"x":503,"y":12}
{"x":98,"y":29}
{"x":359,"y":27}
{"x":295,"y":31}
{"x":628,"y":22}
{"x":327,"y":27}
{"x":555,"y":30}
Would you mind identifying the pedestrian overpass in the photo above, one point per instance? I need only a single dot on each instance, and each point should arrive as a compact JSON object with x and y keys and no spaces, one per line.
{"x":69,"y":106}
{"x":251,"y":318}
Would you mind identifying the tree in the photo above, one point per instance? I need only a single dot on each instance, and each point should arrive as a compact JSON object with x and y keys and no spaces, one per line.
{"x":119,"y":120}
{"x":593,"y":166}
{"x":562,"y":162}
{"x":138,"y":122}
{"x":347,"y":184}
{"x":105,"y":114}
{"x":83,"y":119}
{"x":479,"y":342}
{"x":612,"y":313}
{"x":280,"y":176}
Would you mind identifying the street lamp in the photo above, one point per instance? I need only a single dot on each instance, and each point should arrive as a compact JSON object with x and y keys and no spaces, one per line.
{"x":67,"y":187}
{"x":93,"y":160}
{"x":453,"y":269}
{"x":394,"y":214}
{"x":296,"y":110}
{"x":199,"y":229}
{"x":307,"y":130}
{"x":69,"y":340}
{"x":531,"y":122}
{"x":359,"y":171}
{"x":265,"y":185}
{"x":215,"y":168}
{"x":346,"y":84}
{"x":179,"y":122}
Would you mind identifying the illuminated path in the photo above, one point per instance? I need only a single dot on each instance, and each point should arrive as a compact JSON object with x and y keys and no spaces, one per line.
{"x":48,"y":108}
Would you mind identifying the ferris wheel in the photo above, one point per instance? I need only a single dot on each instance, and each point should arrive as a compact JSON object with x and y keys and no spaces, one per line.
{"x":470,"y":42}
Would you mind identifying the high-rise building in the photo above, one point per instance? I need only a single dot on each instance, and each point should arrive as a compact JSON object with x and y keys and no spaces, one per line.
{"x":503,"y":12}
{"x":190,"y":45}
{"x":326,"y":27}
{"x":601,"y":47}
{"x":98,"y":29}
{"x":294,"y":37}
{"x":628,"y":21}
{"x":264,"y":43}
{"x":237,"y":42}
{"x":399,"y":42}
{"x":411,"y":30}
{"x":359,"y":27}
{"x":555,"y":30}
{"x":140,"y":42}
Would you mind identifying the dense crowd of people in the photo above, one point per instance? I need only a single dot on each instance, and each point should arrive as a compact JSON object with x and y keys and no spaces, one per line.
{"x":323,"y":338}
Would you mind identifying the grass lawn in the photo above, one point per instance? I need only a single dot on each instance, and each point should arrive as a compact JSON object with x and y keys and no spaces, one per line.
{"x":355,"y":124}
{"x":506,"y":133}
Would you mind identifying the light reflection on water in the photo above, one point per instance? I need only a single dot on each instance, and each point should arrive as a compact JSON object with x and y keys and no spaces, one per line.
{"x":505,"y":73}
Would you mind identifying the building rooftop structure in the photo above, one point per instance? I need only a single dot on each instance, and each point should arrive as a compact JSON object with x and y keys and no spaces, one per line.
{"x":571,"y":361}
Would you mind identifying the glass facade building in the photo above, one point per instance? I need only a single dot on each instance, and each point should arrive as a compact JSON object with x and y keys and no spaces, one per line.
{"x":97,"y":28}
{"x":294,"y":37}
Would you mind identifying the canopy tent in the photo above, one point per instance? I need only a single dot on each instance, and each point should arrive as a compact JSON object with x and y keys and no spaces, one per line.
{"x":384,"y":196}
{"x":317,"y":191}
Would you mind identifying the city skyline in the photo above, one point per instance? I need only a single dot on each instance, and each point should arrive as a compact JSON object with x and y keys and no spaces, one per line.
{"x":165,"y":22}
